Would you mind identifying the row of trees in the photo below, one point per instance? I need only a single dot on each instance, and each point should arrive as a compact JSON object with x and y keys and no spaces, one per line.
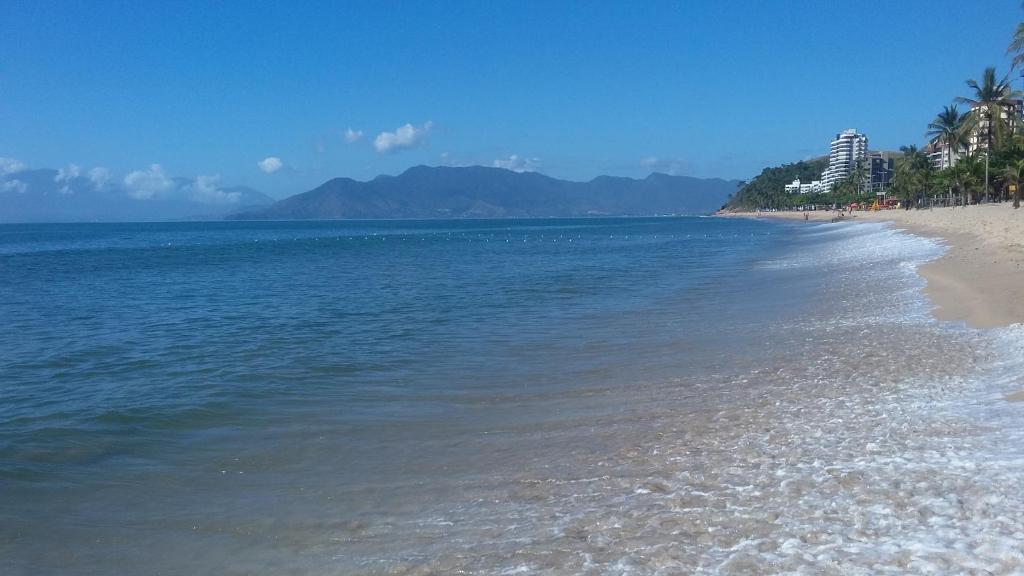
{"x":983,"y":147}
{"x":983,"y":151}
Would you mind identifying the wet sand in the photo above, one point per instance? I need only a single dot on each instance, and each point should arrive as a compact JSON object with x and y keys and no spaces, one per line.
{"x":980,"y":279}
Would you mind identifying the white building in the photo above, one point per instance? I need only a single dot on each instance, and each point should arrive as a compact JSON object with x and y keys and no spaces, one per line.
{"x":941,"y":156}
{"x":978,"y":137}
{"x":796,"y":187}
{"x":846,"y":150}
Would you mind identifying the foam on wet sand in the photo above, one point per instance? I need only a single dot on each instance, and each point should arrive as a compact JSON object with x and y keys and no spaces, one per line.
{"x":980,"y":278}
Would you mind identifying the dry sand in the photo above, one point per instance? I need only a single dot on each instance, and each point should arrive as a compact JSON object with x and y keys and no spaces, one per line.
{"x":980,"y":279}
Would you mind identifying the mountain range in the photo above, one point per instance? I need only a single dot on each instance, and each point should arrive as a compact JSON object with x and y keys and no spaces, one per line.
{"x":482,"y":192}
{"x":45,"y":195}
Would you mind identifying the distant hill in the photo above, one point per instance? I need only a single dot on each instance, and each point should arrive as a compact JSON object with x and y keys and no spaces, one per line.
{"x":767,"y":190}
{"x":49,"y":196}
{"x":481,"y":192}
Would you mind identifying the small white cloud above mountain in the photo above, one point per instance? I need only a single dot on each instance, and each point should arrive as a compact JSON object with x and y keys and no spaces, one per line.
{"x":146,"y":184}
{"x":352,"y":136}
{"x":207,"y":190}
{"x":100,"y":177}
{"x":69,"y":172}
{"x":670,"y":166}
{"x":16,"y":186}
{"x":404,"y":137}
{"x":517,"y":163}
{"x":10,"y":165}
{"x":453,"y":161}
{"x":65,"y":176}
{"x":270,"y":164}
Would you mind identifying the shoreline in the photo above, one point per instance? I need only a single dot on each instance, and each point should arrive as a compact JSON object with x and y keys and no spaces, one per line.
{"x":980,"y":278}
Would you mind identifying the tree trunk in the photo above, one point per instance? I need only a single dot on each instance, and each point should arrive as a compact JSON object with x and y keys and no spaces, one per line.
{"x":986,"y":170}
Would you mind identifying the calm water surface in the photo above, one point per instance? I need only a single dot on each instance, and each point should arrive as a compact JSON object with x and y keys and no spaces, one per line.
{"x":557,"y":396}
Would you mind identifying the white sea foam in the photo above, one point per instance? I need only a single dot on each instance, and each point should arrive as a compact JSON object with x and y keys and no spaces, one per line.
{"x":879,"y":443}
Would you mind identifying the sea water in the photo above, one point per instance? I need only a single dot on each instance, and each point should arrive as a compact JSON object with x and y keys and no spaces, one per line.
{"x":587,"y":396}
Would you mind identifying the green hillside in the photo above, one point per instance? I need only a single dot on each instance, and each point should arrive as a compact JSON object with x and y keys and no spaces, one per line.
{"x":767,"y":190}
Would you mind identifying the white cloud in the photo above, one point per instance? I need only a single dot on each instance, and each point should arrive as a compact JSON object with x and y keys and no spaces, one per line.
{"x":516,"y":163}
{"x":671,"y":166}
{"x":449,"y":159}
{"x":14,"y":186}
{"x":145,"y":184}
{"x":100,"y":177}
{"x":10,"y":165}
{"x":70,"y":172}
{"x":270,"y":164}
{"x":353,"y":135}
{"x":206,"y":190}
{"x":65,"y":176}
{"x":403,"y":137}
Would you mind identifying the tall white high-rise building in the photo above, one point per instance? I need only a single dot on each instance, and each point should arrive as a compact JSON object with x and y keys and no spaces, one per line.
{"x":847,"y":149}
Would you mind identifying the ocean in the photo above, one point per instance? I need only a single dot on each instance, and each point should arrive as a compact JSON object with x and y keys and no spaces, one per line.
{"x":557,"y":396}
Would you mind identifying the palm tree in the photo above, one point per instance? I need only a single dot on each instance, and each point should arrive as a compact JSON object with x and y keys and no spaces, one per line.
{"x":1015,"y":177}
{"x":1017,"y":46}
{"x":903,"y":178}
{"x":991,"y":99}
{"x":970,"y":172}
{"x":947,"y":178}
{"x":913,"y":174}
{"x":949,"y":130}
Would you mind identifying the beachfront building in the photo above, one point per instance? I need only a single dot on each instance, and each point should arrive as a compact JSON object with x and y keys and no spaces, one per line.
{"x":845,"y":153}
{"x":797,"y":187}
{"x":882,"y":166}
{"x":941,"y":156}
{"x":1011,"y":115}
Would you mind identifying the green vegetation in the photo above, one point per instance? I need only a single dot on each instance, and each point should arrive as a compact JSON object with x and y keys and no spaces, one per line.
{"x":913,"y":177}
{"x":1017,"y":46}
{"x":977,"y":175}
{"x":949,"y":128}
{"x":985,"y":146}
{"x":851,"y":189}
{"x":767,"y":190}
{"x":1015,"y":177}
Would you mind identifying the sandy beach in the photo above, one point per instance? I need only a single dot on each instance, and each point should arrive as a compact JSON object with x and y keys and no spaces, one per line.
{"x":980,"y":279}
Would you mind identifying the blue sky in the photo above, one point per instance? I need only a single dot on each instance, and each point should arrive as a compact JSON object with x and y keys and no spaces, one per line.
{"x":570,"y":89}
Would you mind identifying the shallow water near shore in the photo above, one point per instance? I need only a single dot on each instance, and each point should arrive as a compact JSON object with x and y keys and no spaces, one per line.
{"x":641,"y":396}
